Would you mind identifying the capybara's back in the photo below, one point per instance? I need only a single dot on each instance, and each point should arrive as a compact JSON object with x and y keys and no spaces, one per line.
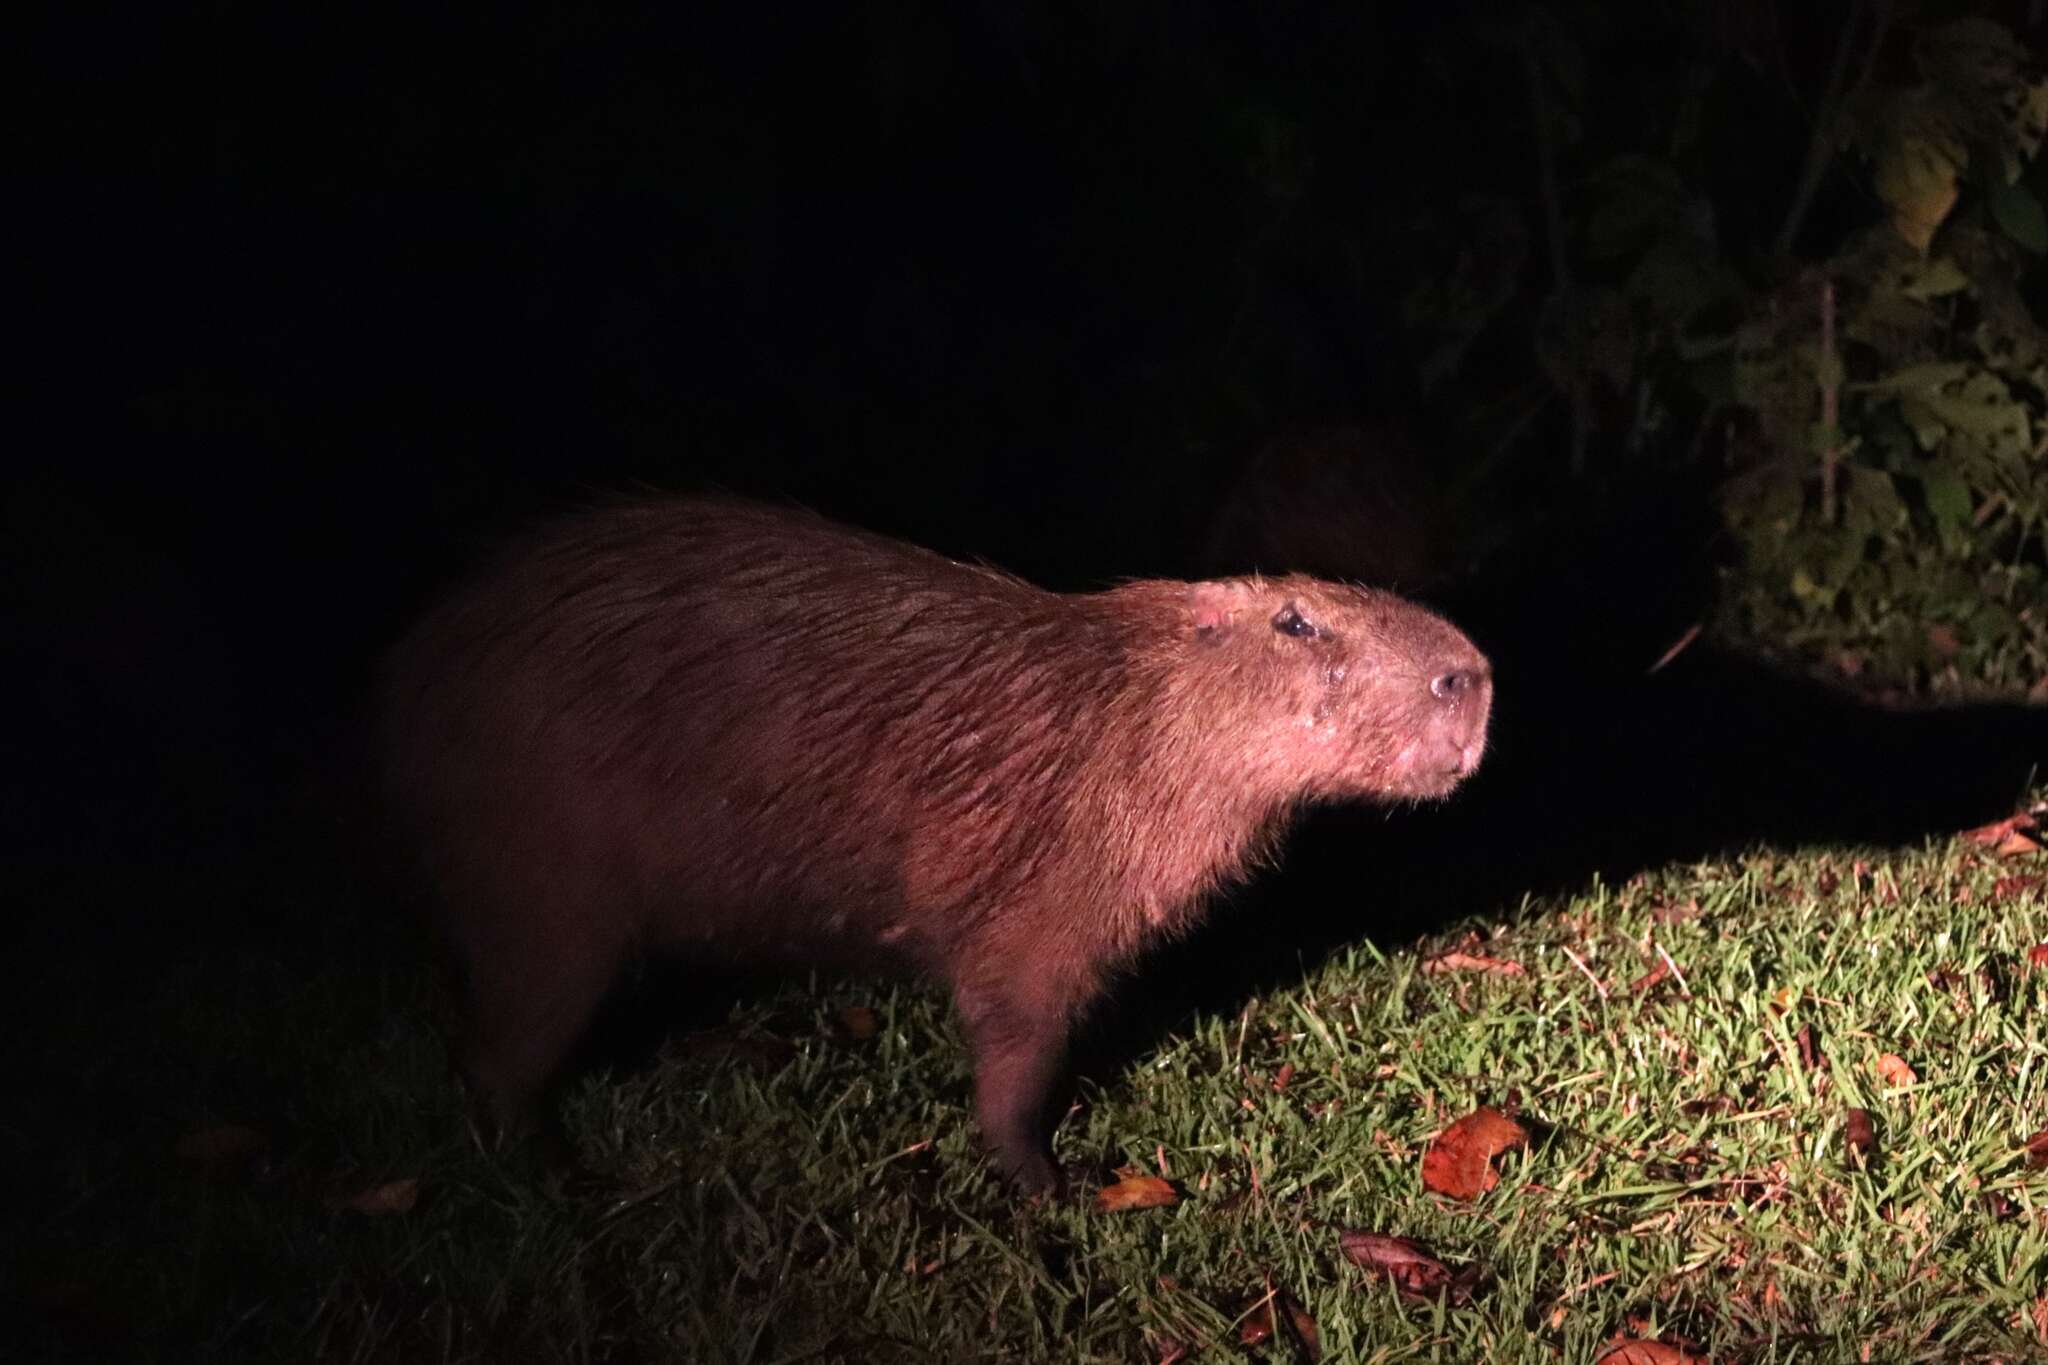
{"x":720,"y":730}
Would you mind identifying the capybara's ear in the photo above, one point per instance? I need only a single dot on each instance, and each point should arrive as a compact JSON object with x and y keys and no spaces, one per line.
{"x":1216,"y":605}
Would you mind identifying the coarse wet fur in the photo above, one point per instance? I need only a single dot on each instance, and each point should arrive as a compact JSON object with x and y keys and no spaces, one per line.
{"x":745,"y":734}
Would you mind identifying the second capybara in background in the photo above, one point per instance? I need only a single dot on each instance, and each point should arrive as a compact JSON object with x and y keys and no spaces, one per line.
{"x":744,"y":734}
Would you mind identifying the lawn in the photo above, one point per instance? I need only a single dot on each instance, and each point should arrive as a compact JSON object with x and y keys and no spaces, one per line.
{"x":261,"y":1159}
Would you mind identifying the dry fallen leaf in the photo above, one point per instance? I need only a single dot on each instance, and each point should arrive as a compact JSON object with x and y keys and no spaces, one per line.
{"x":1647,"y":1353}
{"x":1893,"y":1070}
{"x":395,"y":1196}
{"x":1136,"y":1192}
{"x":2037,"y":1150}
{"x":1809,"y":1053}
{"x":1998,"y":831}
{"x":1277,"y":1314}
{"x":1459,"y":1162}
{"x":2016,"y":844}
{"x":2037,"y":956}
{"x":1457,"y":961}
{"x":2012,"y":888}
{"x":1658,"y":972}
{"x":859,"y":1022}
{"x":1305,"y":1329}
{"x":1413,"y":1270}
{"x":1859,"y":1134}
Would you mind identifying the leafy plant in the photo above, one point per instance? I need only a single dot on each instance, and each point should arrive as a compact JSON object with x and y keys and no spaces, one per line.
{"x":1869,"y":388}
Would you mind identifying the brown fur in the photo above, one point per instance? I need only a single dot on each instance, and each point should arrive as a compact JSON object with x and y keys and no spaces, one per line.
{"x":723,"y":730}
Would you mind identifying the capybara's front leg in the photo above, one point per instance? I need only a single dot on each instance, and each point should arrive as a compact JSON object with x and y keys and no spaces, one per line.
{"x":1020,"y":1052}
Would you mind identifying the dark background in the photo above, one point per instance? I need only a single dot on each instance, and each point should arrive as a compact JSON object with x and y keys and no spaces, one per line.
{"x":316,"y":303}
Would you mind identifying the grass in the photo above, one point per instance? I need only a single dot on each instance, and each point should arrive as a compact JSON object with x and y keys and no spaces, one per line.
{"x":804,"y":1184}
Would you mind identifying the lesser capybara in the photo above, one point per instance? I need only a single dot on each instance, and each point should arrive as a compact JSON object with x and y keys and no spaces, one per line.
{"x":733,"y":732}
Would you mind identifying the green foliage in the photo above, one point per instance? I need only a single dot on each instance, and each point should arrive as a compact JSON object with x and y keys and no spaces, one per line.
{"x":1876,"y":404}
{"x":1903,"y":546}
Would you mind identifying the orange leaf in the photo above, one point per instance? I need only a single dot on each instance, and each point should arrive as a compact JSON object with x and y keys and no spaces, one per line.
{"x":1658,"y":972}
{"x":1457,"y":961}
{"x":2037,"y":956}
{"x":1414,"y":1271}
{"x":859,"y":1022}
{"x":1633,"y":1352}
{"x":1458,"y":1163}
{"x":1304,"y":1327}
{"x":2016,"y":845}
{"x":1998,"y":830}
{"x":2037,"y":1150}
{"x":1892,"y":1070}
{"x":1136,"y":1192}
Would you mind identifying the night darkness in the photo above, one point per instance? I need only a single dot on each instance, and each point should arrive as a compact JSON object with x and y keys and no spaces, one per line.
{"x":318,"y":304}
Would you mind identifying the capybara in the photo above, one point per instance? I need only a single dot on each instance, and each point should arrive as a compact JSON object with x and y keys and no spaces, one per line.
{"x":743,"y":734}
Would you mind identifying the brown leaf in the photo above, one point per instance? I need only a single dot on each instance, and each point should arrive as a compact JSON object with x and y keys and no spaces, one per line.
{"x":1305,"y":1329}
{"x":1283,"y":1075}
{"x":2037,"y":956}
{"x":1459,"y":1161}
{"x":1136,"y":1192}
{"x":1944,"y":641}
{"x":1859,"y":1134}
{"x":1892,"y":1070}
{"x":1414,"y":1271}
{"x":1997,"y":831}
{"x":395,"y":1196}
{"x":223,"y":1147}
{"x":1808,"y":1054}
{"x":2012,"y":888}
{"x":2016,"y":845}
{"x":1276,"y":1314}
{"x":859,"y":1023}
{"x":1458,"y":961}
{"x":1658,"y":972}
{"x":2037,"y":1150}
{"x":1634,"y":1352}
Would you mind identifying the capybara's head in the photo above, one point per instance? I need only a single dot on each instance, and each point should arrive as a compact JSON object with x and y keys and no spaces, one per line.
{"x":1337,"y":691}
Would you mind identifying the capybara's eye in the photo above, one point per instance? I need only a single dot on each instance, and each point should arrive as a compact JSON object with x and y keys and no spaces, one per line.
{"x":1289,"y":621}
